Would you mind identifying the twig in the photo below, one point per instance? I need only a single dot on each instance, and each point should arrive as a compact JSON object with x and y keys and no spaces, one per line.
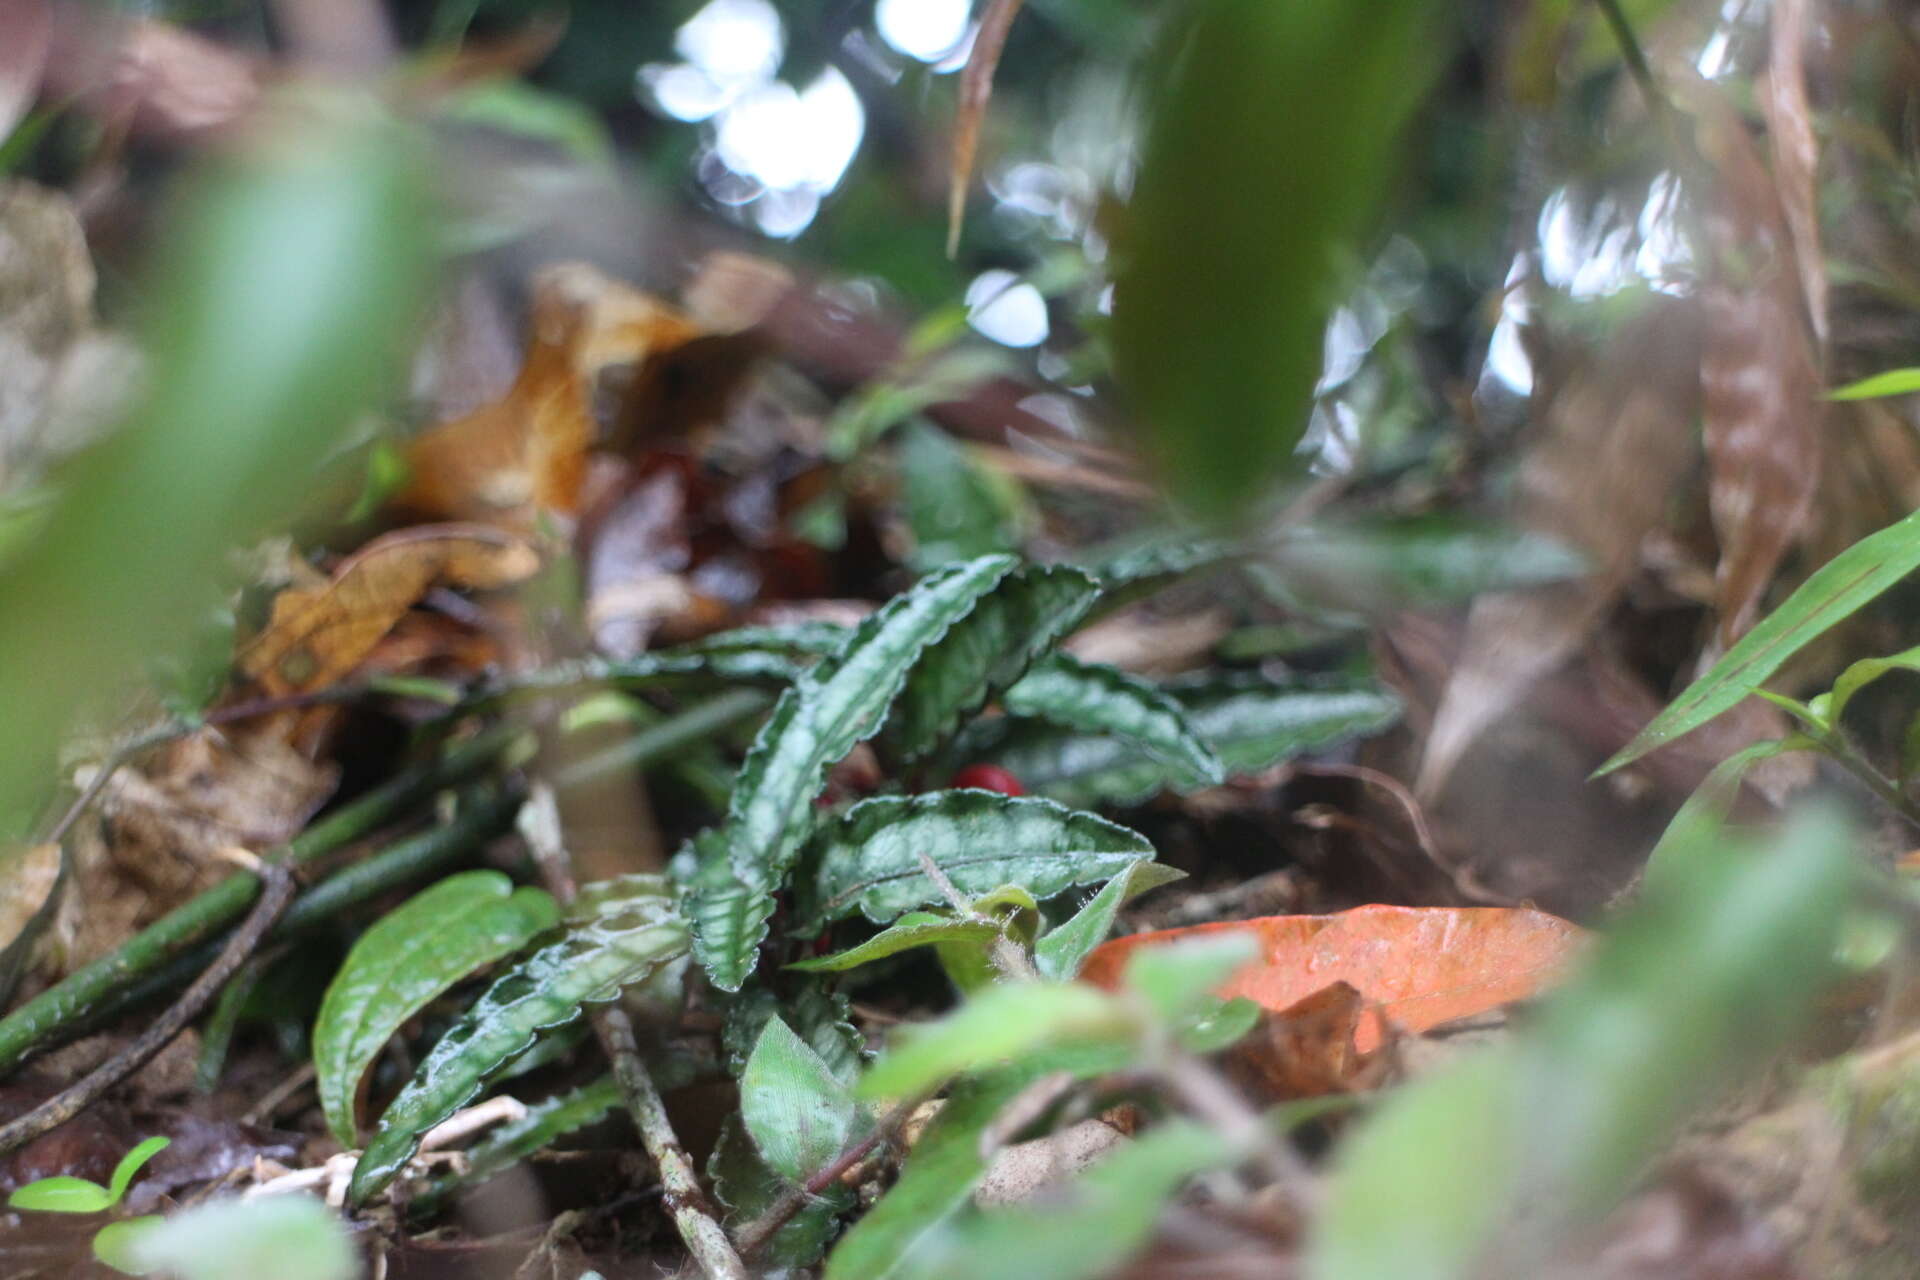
{"x":754,"y":1236}
{"x":692,"y":1214}
{"x":276,"y":892}
{"x":82,"y":994}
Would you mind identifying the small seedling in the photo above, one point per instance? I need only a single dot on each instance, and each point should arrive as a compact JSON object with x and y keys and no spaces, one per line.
{"x":63,"y":1193}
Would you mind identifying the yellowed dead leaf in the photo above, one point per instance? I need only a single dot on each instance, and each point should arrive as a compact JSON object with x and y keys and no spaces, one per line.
{"x":318,"y":635}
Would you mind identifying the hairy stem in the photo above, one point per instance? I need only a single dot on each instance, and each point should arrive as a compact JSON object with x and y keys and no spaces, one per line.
{"x":693,"y":1215}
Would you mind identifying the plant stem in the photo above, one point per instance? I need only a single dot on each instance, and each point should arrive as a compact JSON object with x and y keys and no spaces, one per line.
{"x":31,"y":1026}
{"x":754,"y":1236}
{"x":1633,"y":55}
{"x":275,"y":893}
{"x":657,"y":742}
{"x":693,"y":1215}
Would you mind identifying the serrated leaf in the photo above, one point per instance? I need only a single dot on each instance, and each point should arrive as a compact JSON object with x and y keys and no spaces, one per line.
{"x":410,"y":957}
{"x":799,"y":1115}
{"x":915,"y":929}
{"x":1159,"y":561}
{"x":1092,"y":697}
{"x":626,"y":941}
{"x":1001,"y":1022}
{"x":935,"y":1182}
{"x":1060,"y":953}
{"x":544,"y":1122}
{"x":748,"y":1188}
{"x":816,"y":722}
{"x":1399,"y":563}
{"x":1089,"y":1225}
{"x":816,"y":1014}
{"x":868,"y":858}
{"x":984,"y":653}
{"x":1843,"y":585}
{"x":1250,"y":722}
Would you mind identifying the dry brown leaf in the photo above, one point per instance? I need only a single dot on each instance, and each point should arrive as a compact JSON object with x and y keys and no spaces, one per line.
{"x":1796,"y":152}
{"x":1027,"y":1171}
{"x":1415,"y":966}
{"x":1305,"y":1050}
{"x":976,"y":90}
{"x":1618,"y":436}
{"x":317,"y":635}
{"x":527,"y":452}
{"x":151,"y":75}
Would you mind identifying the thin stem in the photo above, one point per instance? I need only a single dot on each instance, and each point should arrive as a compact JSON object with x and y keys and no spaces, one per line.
{"x":1634,"y":56}
{"x":276,"y":893}
{"x":1844,"y":754}
{"x":754,"y":1236}
{"x":693,"y":1215}
{"x":33,"y":1024}
{"x":657,"y":742}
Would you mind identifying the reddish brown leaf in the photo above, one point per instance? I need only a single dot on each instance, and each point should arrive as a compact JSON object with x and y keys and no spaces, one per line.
{"x":527,"y":452}
{"x":1305,"y":1050}
{"x":1416,"y":966}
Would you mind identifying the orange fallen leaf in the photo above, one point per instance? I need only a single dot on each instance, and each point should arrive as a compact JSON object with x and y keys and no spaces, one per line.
{"x":528,"y":450}
{"x":317,"y":635}
{"x":1416,"y":966}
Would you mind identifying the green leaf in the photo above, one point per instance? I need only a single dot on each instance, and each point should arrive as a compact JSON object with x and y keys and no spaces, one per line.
{"x":1221,"y":307}
{"x":748,"y":1188}
{"x":956,"y":507}
{"x":286,"y":1237}
{"x":1002,"y":1022}
{"x":1421,"y":1186}
{"x":797,"y":1111}
{"x":61,"y":1193}
{"x":130,"y":1165}
{"x":1175,"y":976}
{"x":1091,"y":697}
{"x":1515,"y":1150}
{"x":915,"y":929}
{"x":1700,"y":818}
{"x":625,"y":941}
{"x":982,"y":654}
{"x":868,"y":858}
{"x":115,"y":1244}
{"x":935,"y":1182}
{"x":1060,"y":953}
{"x":1894,"y":382}
{"x":1843,"y":585}
{"x":405,"y":961}
{"x":1088,"y":1226}
{"x":1156,"y":562}
{"x":514,"y":107}
{"x":817,"y":1015}
{"x":1863,"y":673}
{"x":1250,"y":722}
{"x":816,"y":722}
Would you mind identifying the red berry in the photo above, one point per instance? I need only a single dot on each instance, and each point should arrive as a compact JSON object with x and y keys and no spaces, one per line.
{"x":989,"y":777}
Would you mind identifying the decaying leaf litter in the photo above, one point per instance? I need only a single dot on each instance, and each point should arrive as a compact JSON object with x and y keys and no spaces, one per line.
{"x":707,"y":709}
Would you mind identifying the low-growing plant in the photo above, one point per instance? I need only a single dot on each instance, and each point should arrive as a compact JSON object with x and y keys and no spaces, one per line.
{"x":113,"y":1243}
